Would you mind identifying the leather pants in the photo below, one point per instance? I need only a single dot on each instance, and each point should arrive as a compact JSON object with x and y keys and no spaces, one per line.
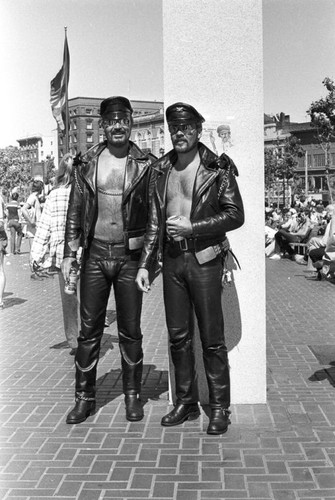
{"x":99,"y":273}
{"x":187,"y":286}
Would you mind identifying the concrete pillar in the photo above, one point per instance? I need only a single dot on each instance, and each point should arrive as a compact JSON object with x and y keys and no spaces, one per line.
{"x":213,"y":60}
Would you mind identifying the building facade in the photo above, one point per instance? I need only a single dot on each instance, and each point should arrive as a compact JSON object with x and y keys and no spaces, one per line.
{"x":311,"y":168}
{"x":85,"y":132}
{"x":38,"y":148}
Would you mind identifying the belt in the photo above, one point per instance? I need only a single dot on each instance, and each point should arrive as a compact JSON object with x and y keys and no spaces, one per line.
{"x":203,"y":251}
{"x":184,"y":245}
{"x":99,"y":249}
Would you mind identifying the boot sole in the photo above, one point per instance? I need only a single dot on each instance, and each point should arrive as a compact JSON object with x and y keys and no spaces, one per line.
{"x":134,"y":419}
{"x":190,"y":416}
{"x":216,"y":433}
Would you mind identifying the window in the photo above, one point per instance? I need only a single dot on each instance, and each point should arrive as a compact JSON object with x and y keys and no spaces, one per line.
{"x":101,"y":138}
{"x":88,"y":111}
{"x":138,"y":138}
{"x":74,"y":138}
{"x":148,"y":137}
{"x":89,"y":138}
{"x":89,"y":125}
{"x":319,"y":160}
{"x":74,"y":124}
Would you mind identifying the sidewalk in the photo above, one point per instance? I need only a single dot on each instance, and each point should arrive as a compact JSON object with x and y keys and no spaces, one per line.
{"x":284,"y":450}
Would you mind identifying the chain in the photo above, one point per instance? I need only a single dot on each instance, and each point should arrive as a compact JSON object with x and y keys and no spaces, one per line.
{"x":77,"y":182}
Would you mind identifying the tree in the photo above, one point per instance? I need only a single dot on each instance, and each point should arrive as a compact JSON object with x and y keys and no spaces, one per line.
{"x":14,"y":172}
{"x":322,"y":114}
{"x":270,"y":164}
{"x":281,"y":162}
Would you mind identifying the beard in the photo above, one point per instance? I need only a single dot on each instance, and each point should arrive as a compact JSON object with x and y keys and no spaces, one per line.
{"x":118,"y":139}
{"x":184,"y":146}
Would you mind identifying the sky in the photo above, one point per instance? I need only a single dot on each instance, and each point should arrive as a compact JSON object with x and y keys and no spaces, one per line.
{"x":298,"y":53}
{"x":116,"y":47}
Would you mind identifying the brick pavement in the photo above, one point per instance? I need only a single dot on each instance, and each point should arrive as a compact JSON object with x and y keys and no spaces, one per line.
{"x":284,"y":450}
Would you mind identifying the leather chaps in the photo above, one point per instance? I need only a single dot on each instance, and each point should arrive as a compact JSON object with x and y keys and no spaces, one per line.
{"x":97,"y":277}
{"x":190,"y":286}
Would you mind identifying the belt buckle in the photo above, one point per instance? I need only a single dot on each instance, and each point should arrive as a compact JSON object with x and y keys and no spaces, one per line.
{"x":183,"y":245}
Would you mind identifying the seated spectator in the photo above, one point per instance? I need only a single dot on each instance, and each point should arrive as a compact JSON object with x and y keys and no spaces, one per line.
{"x":323,"y":258}
{"x":269,"y":236}
{"x":319,"y":241}
{"x":295,"y":234}
{"x":277,"y":218}
{"x":315,"y":219}
{"x":268,"y":208}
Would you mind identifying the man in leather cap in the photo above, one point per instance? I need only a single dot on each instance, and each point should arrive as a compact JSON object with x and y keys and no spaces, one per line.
{"x":195,"y":201}
{"x":107,"y":216}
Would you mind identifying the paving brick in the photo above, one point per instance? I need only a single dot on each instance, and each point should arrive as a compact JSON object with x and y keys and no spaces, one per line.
{"x":210,"y":474}
{"x":258,"y":490}
{"x":141,"y":481}
{"x":282,"y":450}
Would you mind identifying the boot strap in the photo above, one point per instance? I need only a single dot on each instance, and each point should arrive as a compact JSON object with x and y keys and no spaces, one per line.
{"x":79,"y":397}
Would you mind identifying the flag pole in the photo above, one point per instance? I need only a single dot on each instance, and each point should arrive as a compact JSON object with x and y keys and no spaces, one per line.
{"x":66,"y":107}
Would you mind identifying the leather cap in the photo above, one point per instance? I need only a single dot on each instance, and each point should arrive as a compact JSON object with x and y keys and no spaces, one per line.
{"x":115,"y":104}
{"x":183,"y":113}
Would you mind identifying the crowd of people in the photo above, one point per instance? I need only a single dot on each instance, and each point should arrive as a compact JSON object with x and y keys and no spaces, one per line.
{"x":304,"y":232}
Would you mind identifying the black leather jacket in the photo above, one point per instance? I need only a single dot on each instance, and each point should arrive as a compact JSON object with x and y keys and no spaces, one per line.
{"x":217,"y":205}
{"x":82,"y":208}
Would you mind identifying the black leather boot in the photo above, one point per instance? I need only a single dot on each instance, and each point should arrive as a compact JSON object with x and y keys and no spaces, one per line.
{"x":132,"y":366}
{"x":134,"y":409}
{"x":219,"y":421}
{"x":82,"y":410}
{"x":180,"y":413}
{"x":218,"y":377}
{"x":184,"y":372}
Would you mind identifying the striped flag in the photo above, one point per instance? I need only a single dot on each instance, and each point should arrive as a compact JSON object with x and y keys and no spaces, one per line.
{"x":58,"y":91}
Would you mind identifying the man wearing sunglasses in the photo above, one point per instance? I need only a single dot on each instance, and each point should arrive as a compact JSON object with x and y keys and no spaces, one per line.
{"x":195,"y":202}
{"x":107,"y":216}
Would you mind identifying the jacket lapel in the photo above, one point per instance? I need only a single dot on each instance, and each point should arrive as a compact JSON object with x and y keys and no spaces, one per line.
{"x":90,"y":171}
{"x":162,"y":180}
{"x":136,"y":166}
{"x":205,"y":175}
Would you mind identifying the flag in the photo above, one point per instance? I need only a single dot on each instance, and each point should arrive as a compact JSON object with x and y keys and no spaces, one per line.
{"x":58,"y":91}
